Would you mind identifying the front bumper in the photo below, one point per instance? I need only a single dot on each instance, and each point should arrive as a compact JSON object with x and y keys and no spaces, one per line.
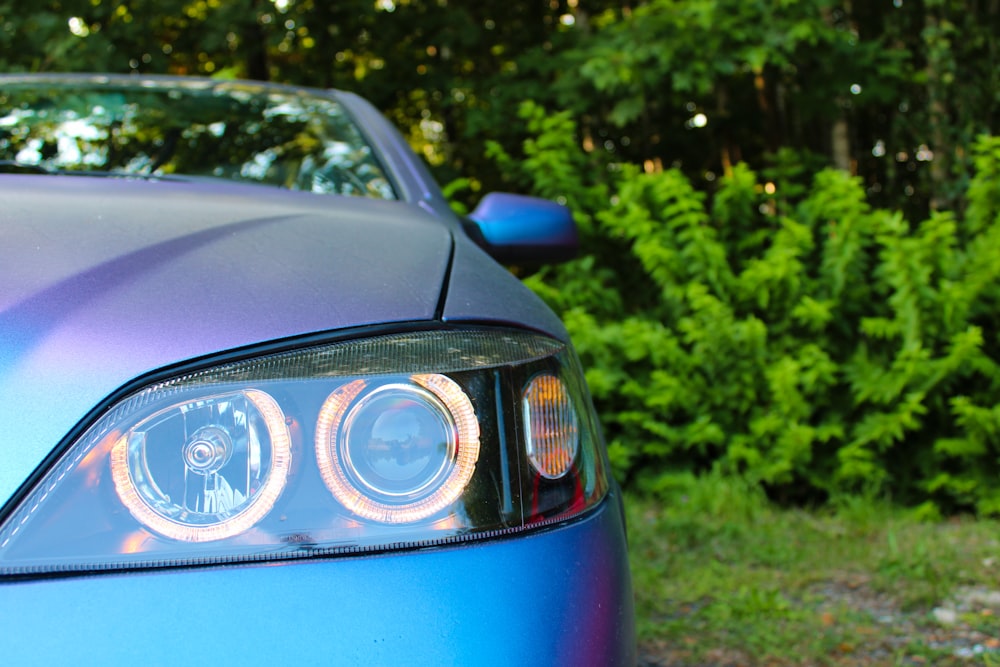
{"x":561,"y":596}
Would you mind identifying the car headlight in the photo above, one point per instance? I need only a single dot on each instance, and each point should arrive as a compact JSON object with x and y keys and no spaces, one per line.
{"x":390,"y":442}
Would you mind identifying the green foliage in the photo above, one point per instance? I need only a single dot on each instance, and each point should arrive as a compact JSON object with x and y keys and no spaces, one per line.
{"x":721,"y":576}
{"x":812,"y":344}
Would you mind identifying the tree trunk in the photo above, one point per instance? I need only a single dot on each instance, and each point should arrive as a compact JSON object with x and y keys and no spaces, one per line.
{"x":840,"y":144}
{"x":254,"y":39}
{"x":937,"y":112}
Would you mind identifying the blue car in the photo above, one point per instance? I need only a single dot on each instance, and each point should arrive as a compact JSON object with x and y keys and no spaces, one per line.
{"x":265,"y":399}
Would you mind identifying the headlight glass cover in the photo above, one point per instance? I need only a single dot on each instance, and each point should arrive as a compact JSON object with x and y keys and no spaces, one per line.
{"x":385,"y":443}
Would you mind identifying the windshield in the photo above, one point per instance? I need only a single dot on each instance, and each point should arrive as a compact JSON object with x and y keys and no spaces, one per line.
{"x":151,"y":128}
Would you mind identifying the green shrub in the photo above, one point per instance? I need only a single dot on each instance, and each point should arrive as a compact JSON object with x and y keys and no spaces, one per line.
{"x":792,"y":335}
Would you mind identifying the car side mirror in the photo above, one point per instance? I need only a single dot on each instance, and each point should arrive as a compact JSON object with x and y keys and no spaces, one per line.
{"x":519,"y":229}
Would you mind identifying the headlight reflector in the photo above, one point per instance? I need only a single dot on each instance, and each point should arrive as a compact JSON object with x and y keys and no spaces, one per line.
{"x":397,"y":452}
{"x":225,"y":477}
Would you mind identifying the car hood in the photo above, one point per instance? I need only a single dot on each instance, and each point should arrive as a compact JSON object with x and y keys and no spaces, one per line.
{"x":104,"y":280}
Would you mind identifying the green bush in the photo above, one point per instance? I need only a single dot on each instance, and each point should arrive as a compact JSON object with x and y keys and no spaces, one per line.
{"x":783,"y":329}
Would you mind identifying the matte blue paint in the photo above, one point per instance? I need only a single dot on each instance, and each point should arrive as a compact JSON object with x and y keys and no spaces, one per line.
{"x":560,"y":597}
{"x":480,"y":290}
{"x":518,"y":226}
{"x":104,"y":280}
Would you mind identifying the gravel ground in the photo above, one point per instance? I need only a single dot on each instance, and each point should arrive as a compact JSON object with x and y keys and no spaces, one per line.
{"x":888,"y":635}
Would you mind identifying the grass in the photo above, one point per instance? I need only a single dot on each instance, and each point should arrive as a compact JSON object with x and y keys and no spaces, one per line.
{"x":722,"y":577}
